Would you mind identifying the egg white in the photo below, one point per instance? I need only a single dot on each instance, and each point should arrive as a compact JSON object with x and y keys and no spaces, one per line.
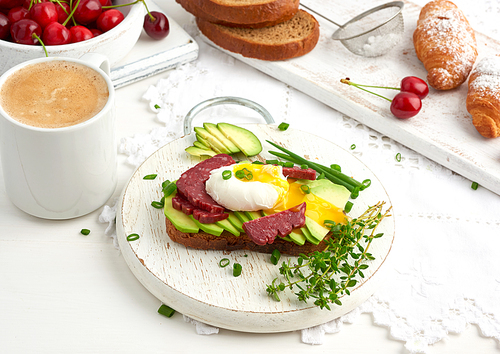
{"x":237,"y":195}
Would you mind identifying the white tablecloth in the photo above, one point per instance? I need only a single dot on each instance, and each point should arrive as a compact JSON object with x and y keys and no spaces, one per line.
{"x":64,"y":292}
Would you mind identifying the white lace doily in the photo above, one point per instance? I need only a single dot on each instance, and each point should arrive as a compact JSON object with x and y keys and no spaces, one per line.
{"x":444,"y":273}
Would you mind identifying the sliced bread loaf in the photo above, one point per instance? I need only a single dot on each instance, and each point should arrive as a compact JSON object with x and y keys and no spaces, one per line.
{"x":284,"y":14}
{"x":289,"y":39}
{"x":245,"y":12}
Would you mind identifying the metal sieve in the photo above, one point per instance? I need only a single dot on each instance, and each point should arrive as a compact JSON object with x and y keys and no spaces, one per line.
{"x":372,"y":33}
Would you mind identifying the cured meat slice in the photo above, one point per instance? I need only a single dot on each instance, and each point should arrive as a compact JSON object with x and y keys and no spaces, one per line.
{"x":206,"y":217}
{"x":299,"y":173}
{"x":191,"y":184}
{"x":181,"y":204}
{"x":264,"y":230}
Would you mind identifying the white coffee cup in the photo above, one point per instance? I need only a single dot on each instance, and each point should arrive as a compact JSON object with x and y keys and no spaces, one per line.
{"x":61,"y":173}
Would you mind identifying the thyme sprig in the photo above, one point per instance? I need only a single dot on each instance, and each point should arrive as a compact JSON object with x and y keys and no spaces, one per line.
{"x":326,"y":276}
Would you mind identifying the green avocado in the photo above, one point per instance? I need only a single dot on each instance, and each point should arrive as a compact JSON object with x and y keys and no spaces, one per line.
{"x":241,"y":216}
{"x":298,"y":237}
{"x":196,"y":151}
{"x":252,"y":215}
{"x":181,"y":221}
{"x":226,"y":225}
{"x":333,"y":193}
{"x":215,"y":143}
{"x":244,"y":139}
{"x":316,"y":230}
{"x":211,"y":229}
{"x":308,"y":236}
{"x":212,"y":129}
{"x":233,"y":219}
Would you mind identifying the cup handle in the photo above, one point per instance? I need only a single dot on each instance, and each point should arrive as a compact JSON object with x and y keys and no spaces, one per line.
{"x":99,"y":60}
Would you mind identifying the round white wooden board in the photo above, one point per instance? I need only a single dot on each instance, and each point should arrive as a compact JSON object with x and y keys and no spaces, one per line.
{"x":191,"y":281}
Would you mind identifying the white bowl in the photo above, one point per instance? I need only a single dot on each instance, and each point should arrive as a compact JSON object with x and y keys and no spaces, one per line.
{"x":115,"y":44}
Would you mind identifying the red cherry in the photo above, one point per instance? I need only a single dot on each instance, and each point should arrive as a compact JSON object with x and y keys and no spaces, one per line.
{"x":109,"y":19}
{"x":106,"y":2}
{"x":87,"y":11}
{"x":56,"y":34}
{"x":95,"y":32}
{"x":158,"y":28}
{"x":80,"y":33}
{"x":416,"y":85}
{"x":23,"y":30}
{"x":405,"y":105}
{"x":4,"y":26}
{"x":63,"y":11}
{"x":18,"y":13}
{"x":9,"y":4}
{"x":43,"y":13}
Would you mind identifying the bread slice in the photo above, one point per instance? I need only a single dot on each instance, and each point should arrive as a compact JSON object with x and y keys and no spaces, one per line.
{"x":245,"y":12}
{"x":228,"y":242}
{"x":285,"y":14}
{"x":290,"y":39}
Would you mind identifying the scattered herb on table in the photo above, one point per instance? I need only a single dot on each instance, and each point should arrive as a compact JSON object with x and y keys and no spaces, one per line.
{"x":224,"y":262}
{"x":166,"y":311}
{"x":157,"y":106}
{"x":275,"y":257}
{"x":283,"y":126}
{"x":398,"y":157}
{"x":132,"y":237}
{"x":474,"y":185}
{"x":237,"y":269}
{"x":353,"y":146}
{"x":85,"y":232}
{"x":150,"y":177}
{"x":328,"y":275}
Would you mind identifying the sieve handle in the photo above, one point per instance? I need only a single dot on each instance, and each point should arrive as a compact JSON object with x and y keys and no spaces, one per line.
{"x":320,"y":15}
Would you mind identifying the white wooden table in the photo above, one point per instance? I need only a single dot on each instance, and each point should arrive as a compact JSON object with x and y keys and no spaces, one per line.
{"x":62,"y":292}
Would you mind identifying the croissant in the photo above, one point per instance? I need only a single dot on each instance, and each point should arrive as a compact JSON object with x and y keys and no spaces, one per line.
{"x":483,"y":97}
{"x":445,"y":43}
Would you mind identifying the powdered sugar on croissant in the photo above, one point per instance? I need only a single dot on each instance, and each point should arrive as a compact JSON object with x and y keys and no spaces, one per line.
{"x":483,"y":98}
{"x":445,"y":43}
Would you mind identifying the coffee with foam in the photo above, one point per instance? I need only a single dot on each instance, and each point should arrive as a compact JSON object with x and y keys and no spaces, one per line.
{"x":54,"y":94}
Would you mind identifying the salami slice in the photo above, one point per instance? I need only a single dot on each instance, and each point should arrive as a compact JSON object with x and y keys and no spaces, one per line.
{"x":191,"y":184}
{"x":181,"y":204}
{"x":299,"y":173}
{"x":206,"y":217}
{"x":264,"y":230}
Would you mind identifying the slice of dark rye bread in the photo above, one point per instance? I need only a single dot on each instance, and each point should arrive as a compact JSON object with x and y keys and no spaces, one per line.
{"x":228,"y":242}
{"x":243,"y":12}
{"x":284,"y":14}
{"x":289,"y":39}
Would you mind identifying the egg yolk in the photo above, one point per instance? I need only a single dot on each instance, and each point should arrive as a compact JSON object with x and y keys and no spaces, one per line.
{"x":268,"y":174}
{"x":317,"y":209}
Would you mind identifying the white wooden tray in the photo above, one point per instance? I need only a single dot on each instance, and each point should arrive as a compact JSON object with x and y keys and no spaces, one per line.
{"x":442,"y":131}
{"x":150,"y":57}
{"x":191,"y":282}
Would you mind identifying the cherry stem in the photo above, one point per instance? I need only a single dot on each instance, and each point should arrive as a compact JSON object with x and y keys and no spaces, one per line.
{"x":34,"y":35}
{"x":67,"y":13}
{"x":132,"y":3}
{"x":70,"y":16}
{"x":348,"y":82}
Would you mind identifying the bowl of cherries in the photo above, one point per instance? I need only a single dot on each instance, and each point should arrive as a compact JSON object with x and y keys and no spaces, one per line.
{"x":70,"y":28}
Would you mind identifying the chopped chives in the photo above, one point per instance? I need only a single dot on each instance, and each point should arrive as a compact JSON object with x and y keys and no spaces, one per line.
{"x":353,"y":146}
{"x":257,"y":163}
{"x":240,"y":174}
{"x":304,"y":167}
{"x":348,"y":207}
{"x":288,"y":164}
{"x":321,"y":176}
{"x":249,"y":176}
{"x":474,"y":185}
{"x":165,"y":184}
{"x":132,"y":237}
{"x":272,"y":162}
{"x":366,"y":183}
{"x":224,"y":262}
{"x":237,"y":269}
{"x":305,"y":189}
{"x":398,"y":157}
{"x":283,"y":126}
{"x":151,"y":176}
{"x":275,"y":256}
{"x":157,"y":106}
{"x":169,"y":189}
{"x":85,"y":232}
{"x":166,"y":311}
{"x":157,"y":205}
{"x":336,"y":167}
{"x":226,"y":174}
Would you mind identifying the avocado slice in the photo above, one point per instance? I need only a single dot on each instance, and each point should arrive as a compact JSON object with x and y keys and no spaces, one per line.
{"x":241,"y":216}
{"x":244,"y":139}
{"x":298,"y":237}
{"x":316,"y":230}
{"x":211,"y":229}
{"x":205,"y":142}
{"x":212,"y":129}
{"x":181,"y":221}
{"x":226,"y":225}
{"x":199,"y":145}
{"x":252,"y":215}
{"x":333,"y":193}
{"x":233,"y":219}
{"x":308,"y":236}
{"x":196,"y":151}
{"x":212,"y":140}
